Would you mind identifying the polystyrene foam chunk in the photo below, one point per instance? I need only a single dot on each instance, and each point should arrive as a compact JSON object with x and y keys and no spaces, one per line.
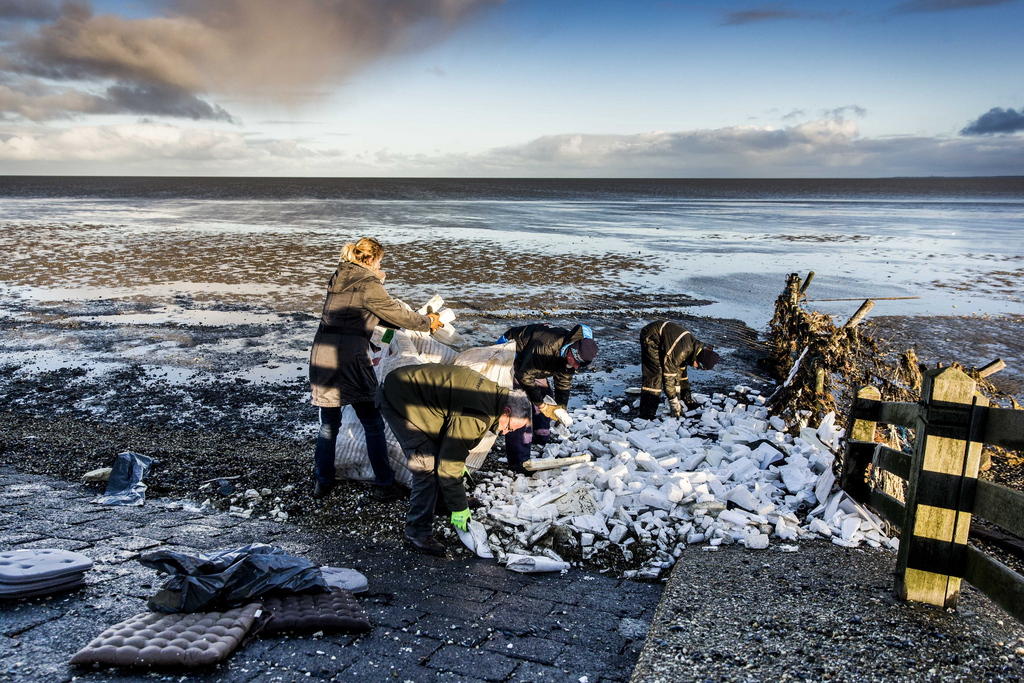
{"x":653,"y":497}
{"x":784,"y":530}
{"x":717,"y":487}
{"x":532,"y":514}
{"x":714,"y":456}
{"x":742,"y":497}
{"x":642,"y":441}
{"x":824,"y":485}
{"x":618,"y":532}
{"x":849,"y":526}
{"x":734,"y":517}
{"x":766,"y":455}
{"x":647,"y":463}
{"x":756,"y":541}
{"x":777,"y":423}
{"x":693,"y":460}
{"x":741,"y":469}
{"x":819,"y":527}
{"x":591,"y":523}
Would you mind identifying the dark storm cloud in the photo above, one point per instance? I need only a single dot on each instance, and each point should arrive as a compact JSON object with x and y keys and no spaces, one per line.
{"x":162,"y":101}
{"x":36,"y":100}
{"x":996,"y":120}
{"x":32,"y":10}
{"x":250,"y":47}
{"x":945,"y":5}
{"x":161,"y":65}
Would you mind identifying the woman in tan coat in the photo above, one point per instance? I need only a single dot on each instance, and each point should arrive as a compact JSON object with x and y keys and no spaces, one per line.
{"x":340,"y":372}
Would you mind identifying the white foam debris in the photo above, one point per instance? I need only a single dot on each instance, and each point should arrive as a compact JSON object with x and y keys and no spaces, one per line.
{"x":727,"y":473}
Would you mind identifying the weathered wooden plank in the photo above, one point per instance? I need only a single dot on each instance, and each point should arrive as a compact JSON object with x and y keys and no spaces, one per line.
{"x":1004,"y":586}
{"x":864,"y":430}
{"x":992,"y":368}
{"x":854,"y":476}
{"x":807,"y":282}
{"x":892,"y":460}
{"x":889,"y":412}
{"x":860,"y":314}
{"x":860,"y":446}
{"x":1005,"y":427}
{"x":931,"y":556}
{"x":1000,"y":505}
{"x":1008,"y":542}
{"x":887,"y":507}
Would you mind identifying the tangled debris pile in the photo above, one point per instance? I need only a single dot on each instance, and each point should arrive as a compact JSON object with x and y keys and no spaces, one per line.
{"x":821,"y":365}
{"x":727,"y":472}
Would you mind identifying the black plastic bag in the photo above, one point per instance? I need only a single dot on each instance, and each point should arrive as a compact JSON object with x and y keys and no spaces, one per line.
{"x":223,"y":578}
{"x":125,"y":485}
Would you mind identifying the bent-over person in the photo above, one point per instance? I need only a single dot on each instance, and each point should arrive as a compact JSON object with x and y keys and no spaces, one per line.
{"x":667,"y":351}
{"x":544,"y":351}
{"x":439,"y":413}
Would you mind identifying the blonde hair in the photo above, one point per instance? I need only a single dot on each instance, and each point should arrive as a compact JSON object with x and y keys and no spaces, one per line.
{"x":364,"y":252}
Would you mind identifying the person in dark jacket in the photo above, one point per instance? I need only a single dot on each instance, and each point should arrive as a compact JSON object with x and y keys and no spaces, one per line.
{"x":439,"y":413}
{"x":340,"y":372}
{"x":667,"y":350}
{"x":543,"y":351}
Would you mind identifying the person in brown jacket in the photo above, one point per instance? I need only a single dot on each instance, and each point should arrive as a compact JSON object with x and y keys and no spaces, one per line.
{"x":340,"y":372}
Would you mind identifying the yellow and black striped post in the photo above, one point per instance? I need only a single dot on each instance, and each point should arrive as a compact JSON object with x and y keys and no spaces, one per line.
{"x":940,"y":495}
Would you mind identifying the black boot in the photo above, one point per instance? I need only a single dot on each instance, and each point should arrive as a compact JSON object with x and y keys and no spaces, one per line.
{"x":321,"y":489}
{"x":428,"y":545}
{"x":389,"y":493}
{"x":649,"y":402}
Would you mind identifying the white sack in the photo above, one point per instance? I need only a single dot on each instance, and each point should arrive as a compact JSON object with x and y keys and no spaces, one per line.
{"x":534,"y":564}
{"x":475,"y":538}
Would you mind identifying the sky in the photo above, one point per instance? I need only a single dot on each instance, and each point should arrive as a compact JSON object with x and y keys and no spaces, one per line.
{"x":512,"y":88}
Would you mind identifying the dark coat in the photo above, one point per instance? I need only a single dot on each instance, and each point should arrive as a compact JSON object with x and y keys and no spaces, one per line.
{"x":667,"y":349}
{"x":539,"y":356}
{"x":340,"y":371}
{"x":447,"y":407}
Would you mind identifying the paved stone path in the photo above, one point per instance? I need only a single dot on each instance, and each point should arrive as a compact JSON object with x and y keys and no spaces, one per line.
{"x":433,"y":619}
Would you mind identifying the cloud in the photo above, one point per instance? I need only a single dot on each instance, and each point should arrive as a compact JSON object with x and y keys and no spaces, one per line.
{"x":163,"y":101}
{"x":752,"y":16}
{"x":142,"y":142}
{"x":996,"y":120}
{"x":823,"y":148}
{"x":776,"y":13}
{"x":32,"y":10}
{"x":247,"y":47}
{"x":36,"y":100}
{"x":839,"y":113}
{"x":946,"y":5}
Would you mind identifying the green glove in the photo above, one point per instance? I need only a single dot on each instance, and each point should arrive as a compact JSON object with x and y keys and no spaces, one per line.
{"x":460,"y":520}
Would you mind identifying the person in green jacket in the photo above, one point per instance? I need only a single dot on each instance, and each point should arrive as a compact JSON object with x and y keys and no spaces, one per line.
{"x":439,"y":413}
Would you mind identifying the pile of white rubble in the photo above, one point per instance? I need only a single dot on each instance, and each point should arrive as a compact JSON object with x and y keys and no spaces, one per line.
{"x":725,"y":473}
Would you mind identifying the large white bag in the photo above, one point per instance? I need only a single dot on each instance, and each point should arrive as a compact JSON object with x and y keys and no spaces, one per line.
{"x":412,"y":348}
{"x":495,"y":363}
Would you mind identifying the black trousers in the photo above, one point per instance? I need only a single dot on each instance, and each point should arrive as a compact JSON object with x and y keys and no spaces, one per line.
{"x":421,"y":452}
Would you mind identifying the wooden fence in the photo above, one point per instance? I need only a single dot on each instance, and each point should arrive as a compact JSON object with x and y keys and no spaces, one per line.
{"x":951,"y":423}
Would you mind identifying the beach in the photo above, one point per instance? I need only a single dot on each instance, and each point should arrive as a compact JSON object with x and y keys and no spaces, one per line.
{"x":174,"y":316}
{"x":191,"y":303}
